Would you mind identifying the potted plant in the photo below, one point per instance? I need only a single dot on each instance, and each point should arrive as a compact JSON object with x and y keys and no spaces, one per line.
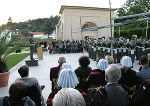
{"x":4,"y":45}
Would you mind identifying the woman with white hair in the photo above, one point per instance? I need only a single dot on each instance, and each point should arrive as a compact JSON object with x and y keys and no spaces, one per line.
{"x":97,"y":76}
{"x":68,"y":97}
{"x":128,"y":76}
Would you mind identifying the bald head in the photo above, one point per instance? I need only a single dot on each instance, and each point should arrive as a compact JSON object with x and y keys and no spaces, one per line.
{"x":112,"y":73}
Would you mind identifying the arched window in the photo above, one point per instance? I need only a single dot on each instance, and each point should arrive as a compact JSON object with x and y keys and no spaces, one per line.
{"x":88,"y":25}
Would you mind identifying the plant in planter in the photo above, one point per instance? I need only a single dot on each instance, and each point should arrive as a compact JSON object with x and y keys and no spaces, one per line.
{"x":4,"y":51}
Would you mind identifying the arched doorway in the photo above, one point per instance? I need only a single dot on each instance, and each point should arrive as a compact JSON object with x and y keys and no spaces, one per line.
{"x":89,"y":33}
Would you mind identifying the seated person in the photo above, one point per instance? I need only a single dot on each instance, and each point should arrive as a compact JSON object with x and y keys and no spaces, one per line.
{"x":128,"y":78}
{"x":148,"y":61}
{"x":66,"y":79}
{"x":31,"y":83}
{"x":17,"y":96}
{"x":142,"y":95}
{"x":55,"y":70}
{"x":83,"y":71}
{"x":97,"y":76}
{"x":112,"y":94}
{"x":68,"y":97}
{"x":144,"y":74}
{"x":109,"y":59}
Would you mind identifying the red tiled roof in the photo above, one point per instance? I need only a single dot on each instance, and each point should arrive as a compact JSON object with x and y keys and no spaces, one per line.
{"x":37,"y":33}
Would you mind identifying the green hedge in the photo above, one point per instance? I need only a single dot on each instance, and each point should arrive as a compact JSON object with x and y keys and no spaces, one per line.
{"x":135,"y":31}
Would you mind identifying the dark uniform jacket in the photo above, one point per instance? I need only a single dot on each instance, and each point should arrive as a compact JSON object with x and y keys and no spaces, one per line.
{"x":128,"y":77}
{"x":54,"y":92}
{"x":112,"y":95}
{"x":96,"y":78}
{"x":82,"y":73}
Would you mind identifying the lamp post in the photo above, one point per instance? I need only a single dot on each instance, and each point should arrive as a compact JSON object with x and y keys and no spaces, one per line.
{"x":111,"y":28}
{"x":119,"y":31}
{"x":147,"y":29}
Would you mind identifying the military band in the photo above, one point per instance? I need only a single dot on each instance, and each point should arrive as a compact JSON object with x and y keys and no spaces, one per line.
{"x":101,"y":47}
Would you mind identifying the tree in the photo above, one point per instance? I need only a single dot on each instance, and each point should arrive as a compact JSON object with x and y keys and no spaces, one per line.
{"x":25,"y":32}
{"x":4,"y":51}
{"x":133,"y":7}
{"x":49,"y":25}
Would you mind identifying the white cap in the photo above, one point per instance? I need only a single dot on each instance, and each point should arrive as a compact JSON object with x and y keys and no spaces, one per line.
{"x":67,"y":79}
{"x":66,"y":66}
{"x":126,"y":61}
{"x":102,"y":64}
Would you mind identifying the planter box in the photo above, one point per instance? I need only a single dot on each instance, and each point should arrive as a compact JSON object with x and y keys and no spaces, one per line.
{"x":4,"y":78}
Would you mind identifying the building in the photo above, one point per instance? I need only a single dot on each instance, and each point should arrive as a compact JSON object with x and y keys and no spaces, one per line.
{"x":75,"y":21}
{"x":10,"y":19}
{"x":16,"y":32}
{"x":39,"y":35}
{"x":8,"y":33}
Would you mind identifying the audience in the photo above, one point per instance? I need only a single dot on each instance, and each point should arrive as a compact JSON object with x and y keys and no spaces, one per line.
{"x":17,"y":96}
{"x":68,"y":97}
{"x":108,"y":85}
{"x":33,"y":86}
{"x":144,"y":74}
{"x":55,"y":70}
{"x":128,"y":78}
{"x":83,"y":71}
{"x":112,"y":94}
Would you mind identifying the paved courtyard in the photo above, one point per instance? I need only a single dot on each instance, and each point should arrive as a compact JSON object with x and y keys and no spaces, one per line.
{"x":41,"y":72}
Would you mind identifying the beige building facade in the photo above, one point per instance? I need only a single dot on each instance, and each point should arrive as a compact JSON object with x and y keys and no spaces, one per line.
{"x":76,"y":20}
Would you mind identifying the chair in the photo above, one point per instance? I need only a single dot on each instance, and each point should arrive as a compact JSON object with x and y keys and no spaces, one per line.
{"x":34,"y":94}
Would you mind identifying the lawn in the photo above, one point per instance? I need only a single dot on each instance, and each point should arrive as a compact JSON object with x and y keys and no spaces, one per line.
{"x":14,"y":59}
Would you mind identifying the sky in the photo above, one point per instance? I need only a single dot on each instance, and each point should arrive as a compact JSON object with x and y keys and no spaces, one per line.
{"x":23,"y":10}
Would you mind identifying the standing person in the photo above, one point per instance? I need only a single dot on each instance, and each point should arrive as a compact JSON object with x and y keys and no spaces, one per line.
{"x":112,"y":94}
{"x":32,"y":47}
{"x":144,"y":74}
{"x":30,"y":82}
{"x":83,"y":71}
{"x":55,"y":70}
